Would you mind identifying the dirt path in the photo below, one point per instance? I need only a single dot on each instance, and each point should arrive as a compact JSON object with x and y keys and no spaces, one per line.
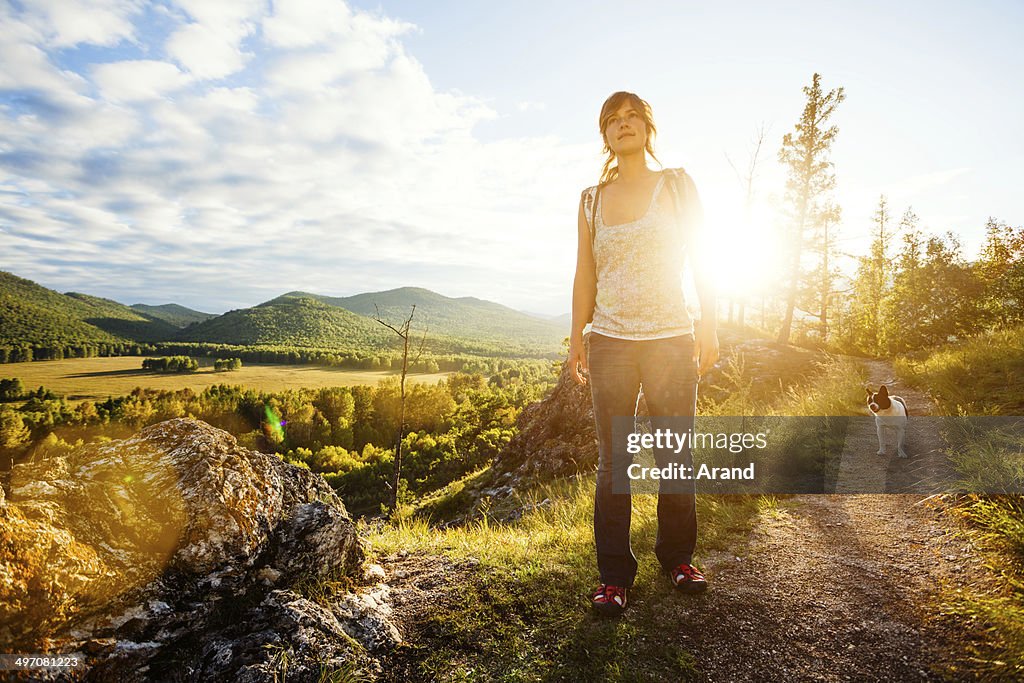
{"x":844,"y":587}
{"x":927,"y":468}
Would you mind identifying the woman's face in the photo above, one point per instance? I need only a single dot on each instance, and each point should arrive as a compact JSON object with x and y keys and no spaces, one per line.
{"x":625,"y":130}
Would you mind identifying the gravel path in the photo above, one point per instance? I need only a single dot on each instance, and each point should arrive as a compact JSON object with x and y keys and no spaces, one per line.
{"x":845,"y":587}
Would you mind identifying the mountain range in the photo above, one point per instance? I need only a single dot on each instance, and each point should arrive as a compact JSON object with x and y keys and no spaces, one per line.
{"x":33,"y":315}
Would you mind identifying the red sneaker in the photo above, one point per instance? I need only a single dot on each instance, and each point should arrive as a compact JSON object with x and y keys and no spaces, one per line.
{"x":609,"y":600}
{"x":688,"y":579}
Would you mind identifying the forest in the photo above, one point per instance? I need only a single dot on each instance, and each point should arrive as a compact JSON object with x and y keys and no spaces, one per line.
{"x":346,"y":433}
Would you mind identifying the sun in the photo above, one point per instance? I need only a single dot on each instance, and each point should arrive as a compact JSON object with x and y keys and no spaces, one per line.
{"x":745,"y":254}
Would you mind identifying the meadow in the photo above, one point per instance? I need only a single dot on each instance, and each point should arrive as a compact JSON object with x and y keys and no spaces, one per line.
{"x":79,"y":379}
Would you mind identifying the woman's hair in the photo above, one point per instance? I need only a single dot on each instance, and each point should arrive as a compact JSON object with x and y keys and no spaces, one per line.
{"x":608,"y":109}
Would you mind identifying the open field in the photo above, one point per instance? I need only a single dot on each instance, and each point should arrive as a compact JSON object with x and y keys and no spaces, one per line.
{"x":79,"y":379}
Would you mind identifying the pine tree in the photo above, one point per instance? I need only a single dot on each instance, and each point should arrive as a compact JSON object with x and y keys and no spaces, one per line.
{"x":1000,"y":268}
{"x":874,"y":280}
{"x":805,"y":154}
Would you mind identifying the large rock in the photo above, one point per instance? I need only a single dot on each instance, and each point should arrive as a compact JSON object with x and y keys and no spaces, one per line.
{"x":175,"y":546}
{"x":554,"y":436}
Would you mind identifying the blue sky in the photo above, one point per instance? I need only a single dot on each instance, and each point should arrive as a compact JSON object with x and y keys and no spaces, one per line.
{"x":217,"y":154}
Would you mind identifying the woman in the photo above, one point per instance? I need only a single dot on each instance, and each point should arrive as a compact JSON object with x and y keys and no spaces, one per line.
{"x":636,"y":229}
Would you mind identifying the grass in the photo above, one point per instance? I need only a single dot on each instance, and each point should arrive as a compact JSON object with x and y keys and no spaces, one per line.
{"x":987,"y":452}
{"x":81,"y":379}
{"x":793,"y":381}
{"x":983,"y":376}
{"x":522,"y":614}
{"x":518,"y":605}
{"x":455,"y":498}
{"x":996,"y":525}
{"x":350,"y":673}
{"x":802,"y":455}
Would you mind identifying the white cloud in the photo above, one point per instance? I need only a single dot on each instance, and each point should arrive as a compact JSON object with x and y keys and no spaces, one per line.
{"x":210,"y":47}
{"x":304,"y":24}
{"x":527,"y":105}
{"x":311,"y":72}
{"x":66,"y":23}
{"x":26,"y":64}
{"x":324,"y":22}
{"x":141,"y":79}
{"x":206,"y":52}
{"x":223,"y":14}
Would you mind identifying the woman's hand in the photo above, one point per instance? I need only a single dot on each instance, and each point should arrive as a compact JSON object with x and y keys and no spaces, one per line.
{"x":705,"y":348}
{"x":578,"y":359}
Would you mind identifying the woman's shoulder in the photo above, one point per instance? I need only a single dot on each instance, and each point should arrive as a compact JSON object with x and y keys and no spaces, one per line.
{"x":678,"y":173}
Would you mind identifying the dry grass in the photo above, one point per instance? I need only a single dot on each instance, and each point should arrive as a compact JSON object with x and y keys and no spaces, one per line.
{"x":979,"y":376}
{"x":97,"y":378}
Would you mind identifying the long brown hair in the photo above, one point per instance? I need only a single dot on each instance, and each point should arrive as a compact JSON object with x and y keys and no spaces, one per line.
{"x":608,"y":109}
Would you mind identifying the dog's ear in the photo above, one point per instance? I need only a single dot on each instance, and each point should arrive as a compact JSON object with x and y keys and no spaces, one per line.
{"x":868,"y":389}
{"x":883,"y":391}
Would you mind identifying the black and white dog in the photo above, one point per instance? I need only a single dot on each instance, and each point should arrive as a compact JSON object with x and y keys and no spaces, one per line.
{"x":890,"y":413}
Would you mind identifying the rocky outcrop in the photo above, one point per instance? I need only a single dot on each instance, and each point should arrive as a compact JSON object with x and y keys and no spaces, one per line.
{"x":177,"y":554}
{"x":555,"y":436}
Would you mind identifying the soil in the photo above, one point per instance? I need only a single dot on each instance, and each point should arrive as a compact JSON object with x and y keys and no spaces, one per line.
{"x":420,"y":584}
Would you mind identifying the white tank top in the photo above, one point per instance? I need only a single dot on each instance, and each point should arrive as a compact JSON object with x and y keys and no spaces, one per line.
{"x":639,"y":271}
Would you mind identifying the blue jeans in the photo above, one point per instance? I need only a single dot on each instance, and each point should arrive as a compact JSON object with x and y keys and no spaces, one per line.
{"x":666,"y":370}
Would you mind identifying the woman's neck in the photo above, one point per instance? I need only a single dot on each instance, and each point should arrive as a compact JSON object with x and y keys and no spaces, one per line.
{"x":633,"y":167}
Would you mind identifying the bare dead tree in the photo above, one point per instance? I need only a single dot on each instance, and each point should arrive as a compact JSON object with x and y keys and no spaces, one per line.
{"x":747,"y":180}
{"x":830,"y":215}
{"x":403,"y":332}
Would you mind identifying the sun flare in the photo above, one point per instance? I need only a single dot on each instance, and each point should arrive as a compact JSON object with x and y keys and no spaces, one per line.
{"x":745,"y":255}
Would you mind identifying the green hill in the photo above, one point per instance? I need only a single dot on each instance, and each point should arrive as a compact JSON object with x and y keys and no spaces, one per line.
{"x":122,"y":321}
{"x":33,"y":315}
{"x":467,"y":318}
{"x":292,"y":321}
{"x":178,"y":316}
{"x":307,"y":320}
{"x":564,"y":321}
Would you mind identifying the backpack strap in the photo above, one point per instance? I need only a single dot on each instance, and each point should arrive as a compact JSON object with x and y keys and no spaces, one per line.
{"x":678,"y":196}
{"x":589,"y":198}
{"x":688,"y":209}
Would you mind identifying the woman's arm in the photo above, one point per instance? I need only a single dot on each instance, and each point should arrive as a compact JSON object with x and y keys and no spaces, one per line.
{"x":584,"y":295}
{"x":706,"y":335}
